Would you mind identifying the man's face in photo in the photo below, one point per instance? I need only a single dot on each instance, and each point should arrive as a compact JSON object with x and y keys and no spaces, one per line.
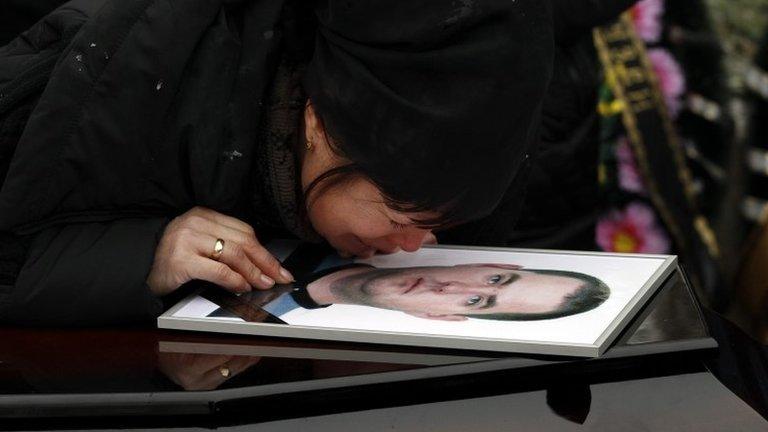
{"x":450,"y":293}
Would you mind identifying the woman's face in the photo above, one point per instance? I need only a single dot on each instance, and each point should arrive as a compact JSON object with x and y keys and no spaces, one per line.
{"x":352,"y":216}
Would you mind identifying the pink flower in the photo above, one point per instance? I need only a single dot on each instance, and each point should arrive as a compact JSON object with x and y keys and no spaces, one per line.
{"x":629,"y":175}
{"x":671,"y":78}
{"x":633,"y":230}
{"x":646,"y":15}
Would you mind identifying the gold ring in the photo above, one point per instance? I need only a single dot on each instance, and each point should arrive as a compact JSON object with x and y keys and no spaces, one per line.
{"x":224,"y":371}
{"x":218,"y":248}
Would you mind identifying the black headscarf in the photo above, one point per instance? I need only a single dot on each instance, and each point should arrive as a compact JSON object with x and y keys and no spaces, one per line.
{"x":445,"y":94}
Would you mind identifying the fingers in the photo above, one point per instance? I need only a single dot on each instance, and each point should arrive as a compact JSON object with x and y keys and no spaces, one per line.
{"x":238,"y":254}
{"x":233,"y":367}
{"x":184,"y":253}
{"x":233,"y":270}
{"x":242,"y":251}
{"x":220,"y":273}
{"x":196,"y":364}
{"x":265,"y":261}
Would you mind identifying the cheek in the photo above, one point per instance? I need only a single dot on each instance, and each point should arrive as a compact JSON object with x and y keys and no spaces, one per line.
{"x":346,"y":218}
{"x":426,"y":303}
{"x":338,"y":221}
{"x":326,"y":221}
{"x":338,"y":229}
{"x":329,"y":216}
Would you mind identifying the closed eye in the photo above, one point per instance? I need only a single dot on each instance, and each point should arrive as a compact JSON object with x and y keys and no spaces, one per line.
{"x":397,"y":225}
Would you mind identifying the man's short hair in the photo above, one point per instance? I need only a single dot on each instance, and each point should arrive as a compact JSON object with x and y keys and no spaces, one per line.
{"x":589,"y":296}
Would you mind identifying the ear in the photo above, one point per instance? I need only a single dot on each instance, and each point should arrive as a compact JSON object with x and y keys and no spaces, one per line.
{"x":439,"y":317}
{"x":313,"y":127}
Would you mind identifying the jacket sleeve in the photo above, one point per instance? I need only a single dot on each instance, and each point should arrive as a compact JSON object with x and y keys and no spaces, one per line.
{"x":86,"y":274}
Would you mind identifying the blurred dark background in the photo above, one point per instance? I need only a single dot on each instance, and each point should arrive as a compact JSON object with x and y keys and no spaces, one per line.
{"x":17,"y":15}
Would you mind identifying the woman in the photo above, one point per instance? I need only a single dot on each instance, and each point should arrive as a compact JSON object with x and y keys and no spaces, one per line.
{"x":155,"y":143}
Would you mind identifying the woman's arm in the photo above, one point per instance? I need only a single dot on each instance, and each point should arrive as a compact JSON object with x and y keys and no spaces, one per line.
{"x":87,"y":274}
{"x":115,"y":272}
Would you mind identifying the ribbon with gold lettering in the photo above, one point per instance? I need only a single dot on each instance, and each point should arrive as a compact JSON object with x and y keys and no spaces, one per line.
{"x":653,"y":139}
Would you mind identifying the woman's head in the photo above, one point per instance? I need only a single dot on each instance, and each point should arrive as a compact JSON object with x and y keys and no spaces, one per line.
{"x":347,"y":208}
{"x":432,"y":106}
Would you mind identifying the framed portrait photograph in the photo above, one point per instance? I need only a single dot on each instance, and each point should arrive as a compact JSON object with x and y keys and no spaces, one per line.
{"x":490,"y":299}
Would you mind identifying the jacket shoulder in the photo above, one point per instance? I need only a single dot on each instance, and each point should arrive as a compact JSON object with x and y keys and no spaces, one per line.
{"x":48,"y":35}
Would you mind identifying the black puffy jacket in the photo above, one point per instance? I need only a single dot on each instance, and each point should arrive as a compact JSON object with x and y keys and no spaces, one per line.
{"x":158,"y":96}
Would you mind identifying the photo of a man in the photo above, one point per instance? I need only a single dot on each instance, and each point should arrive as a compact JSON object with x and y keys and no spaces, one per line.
{"x":511,"y":300}
{"x":487,"y":291}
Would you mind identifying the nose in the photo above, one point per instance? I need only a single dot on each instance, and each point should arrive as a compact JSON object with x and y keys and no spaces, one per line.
{"x":457,"y":287}
{"x":412,"y":240}
{"x":451,"y":288}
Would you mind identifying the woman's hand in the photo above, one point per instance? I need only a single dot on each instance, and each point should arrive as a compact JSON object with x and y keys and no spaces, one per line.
{"x":202,"y":371}
{"x":185,"y":253}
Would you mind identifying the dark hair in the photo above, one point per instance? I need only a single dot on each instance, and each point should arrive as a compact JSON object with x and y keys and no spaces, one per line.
{"x":433,"y":108}
{"x":589,"y":296}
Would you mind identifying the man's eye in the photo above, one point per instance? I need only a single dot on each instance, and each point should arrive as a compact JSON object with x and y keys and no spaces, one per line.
{"x":493,"y":280}
{"x":474,"y":300}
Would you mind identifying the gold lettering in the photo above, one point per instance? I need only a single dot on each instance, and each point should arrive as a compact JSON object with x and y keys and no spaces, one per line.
{"x":640,"y":100}
{"x":644,"y":105}
{"x":640,"y":95}
{"x":635,"y":75}
{"x":629,"y":76}
{"x":615,"y":32}
{"x":624,"y":54}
